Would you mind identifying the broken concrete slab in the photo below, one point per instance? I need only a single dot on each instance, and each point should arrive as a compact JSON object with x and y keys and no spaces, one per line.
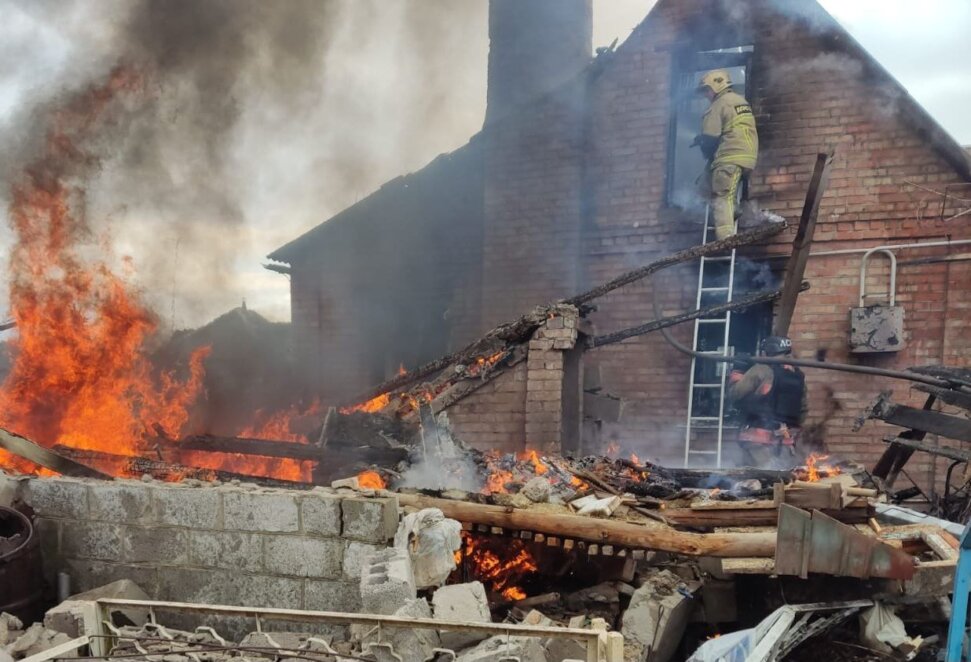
{"x":8,"y":624}
{"x":416,"y":644}
{"x":69,"y":616}
{"x":537,"y":490}
{"x":387,"y":581}
{"x":36,"y":639}
{"x":462,"y":602}
{"x":656,"y":618}
{"x":495,"y":649}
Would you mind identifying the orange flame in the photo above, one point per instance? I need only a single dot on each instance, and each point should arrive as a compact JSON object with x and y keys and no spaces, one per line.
{"x":500,"y":564}
{"x":371,"y":480}
{"x":815,"y":469}
{"x":372,"y":406}
{"x":81,"y":376}
{"x":613,"y":450}
{"x":530,"y":456}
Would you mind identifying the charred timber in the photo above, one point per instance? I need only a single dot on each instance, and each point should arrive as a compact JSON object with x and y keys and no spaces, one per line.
{"x":752,"y":236}
{"x":519,"y":330}
{"x":136,"y":466}
{"x":802,"y":244}
{"x":27,"y":449}
{"x":213,"y":444}
{"x":656,"y":325}
{"x":922,"y":420}
{"x":611,"y":532}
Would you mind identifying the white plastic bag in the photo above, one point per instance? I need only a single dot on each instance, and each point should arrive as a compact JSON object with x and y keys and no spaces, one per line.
{"x":734,"y":647}
{"x":431,"y":541}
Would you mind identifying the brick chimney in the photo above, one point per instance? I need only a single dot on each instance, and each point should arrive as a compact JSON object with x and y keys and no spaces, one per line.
{"x":535,"y":45}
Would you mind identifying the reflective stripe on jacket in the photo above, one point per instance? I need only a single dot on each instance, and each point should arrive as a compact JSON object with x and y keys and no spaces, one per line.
{"x":731,"y":120}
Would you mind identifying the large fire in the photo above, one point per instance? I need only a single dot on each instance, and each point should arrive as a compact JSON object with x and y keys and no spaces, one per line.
{"x":81,"y":376}
{"x":501,"y":564}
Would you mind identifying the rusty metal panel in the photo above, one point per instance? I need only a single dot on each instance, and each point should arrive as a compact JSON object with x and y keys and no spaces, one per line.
{"x":876,"y":329}
{"x":819,"y":544}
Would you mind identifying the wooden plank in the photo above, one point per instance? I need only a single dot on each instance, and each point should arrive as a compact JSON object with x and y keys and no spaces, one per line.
{"x":892,"y":461}
{"x":957,"y":454}
{"x":601,"y":531}
{"x":802,"y":243}
{"x":674,"y":320}
{"x":950,"y":396}
{"x":702,"y":519}
{"x":262,"y":447}
{"x":923,"y":420}
{"x":748,"y":566}
{"x":27,"y":449}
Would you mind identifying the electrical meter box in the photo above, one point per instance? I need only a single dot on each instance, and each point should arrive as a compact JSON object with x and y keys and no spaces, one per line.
{"x":877,"y":327}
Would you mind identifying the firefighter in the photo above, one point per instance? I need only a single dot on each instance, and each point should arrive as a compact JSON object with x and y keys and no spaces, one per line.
{"x":772,"y":400}
{"x":730,"y":143}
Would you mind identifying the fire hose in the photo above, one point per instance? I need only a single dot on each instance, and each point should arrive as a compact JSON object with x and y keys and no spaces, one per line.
{"x":906,"y":375}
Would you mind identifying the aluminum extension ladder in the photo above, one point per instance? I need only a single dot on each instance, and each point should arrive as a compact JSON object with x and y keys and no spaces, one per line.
{"x":716,"y":285}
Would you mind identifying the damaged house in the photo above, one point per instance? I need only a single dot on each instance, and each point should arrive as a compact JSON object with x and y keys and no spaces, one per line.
{"x":583,"y":170}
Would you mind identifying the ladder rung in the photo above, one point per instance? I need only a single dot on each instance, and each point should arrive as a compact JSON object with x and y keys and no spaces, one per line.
{"x":714,"y":289}
{"x":717,"y":258}
{"x":713,"y":320}
{"x":708,"y":385}
{"x":705,"y":418}
{"x":703,"y":452}
{"x":714,"y":352}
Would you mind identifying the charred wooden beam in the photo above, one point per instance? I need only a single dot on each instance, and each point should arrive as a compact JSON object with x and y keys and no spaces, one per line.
{"x":924,"y":420}
{"x":796,"y":267}
{"x":893,"y":460}
{"x":674,"y":320}
{"x":956,"y":454}
{"x":947,"y":395}
{"x":214,"y":444}
{"x":752,"y":236}
{"x":601,"y":531}
{"x":27,"y":449}
{"x":135,"y":466}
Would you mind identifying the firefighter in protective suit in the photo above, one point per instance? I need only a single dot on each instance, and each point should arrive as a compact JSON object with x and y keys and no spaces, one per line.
{"x":772,"y":399}
{"x":730,"y":142}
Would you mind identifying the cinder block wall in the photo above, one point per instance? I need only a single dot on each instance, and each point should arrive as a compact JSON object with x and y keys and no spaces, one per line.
{"x":237,"y":545}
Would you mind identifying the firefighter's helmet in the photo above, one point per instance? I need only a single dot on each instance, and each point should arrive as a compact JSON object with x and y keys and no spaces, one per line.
{"x":776,"y":345}
{"x":717,"y":80}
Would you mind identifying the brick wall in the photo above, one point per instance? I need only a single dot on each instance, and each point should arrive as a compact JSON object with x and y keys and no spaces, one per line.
{"x":811,"y":91}
{"x":528,"y":406}
{"x":232,"y":545}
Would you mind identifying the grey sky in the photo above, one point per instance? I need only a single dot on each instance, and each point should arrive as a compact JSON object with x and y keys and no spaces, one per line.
{"x":387,"y":101}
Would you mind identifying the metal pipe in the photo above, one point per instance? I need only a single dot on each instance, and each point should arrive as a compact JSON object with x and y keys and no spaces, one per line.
{"x":803,"y":363}
{"x":892,"y":247}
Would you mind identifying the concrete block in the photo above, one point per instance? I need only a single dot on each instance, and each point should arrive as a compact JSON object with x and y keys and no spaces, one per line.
{"x":494,"y":649}
{"x":58,"y":497}
{"x":271,"y":512}
{"x":69,"y":616}
{"x":332,"y":596}
{"x":161,"y":545}
{"x":387,"y":582}
{"x":303,"y":557}
{"x":230,"y":550}
{"x":266,"y":591}
{"x":462,"y":602}
{"x":194,"y":508}
{"x":192,"y":585}
{"x":656,"y":617}
{"x":91,"y":540}
{"x":320,"y":514}
{"x":12,"y":488}
{"x":355,"y":555}
{"x":373,"y":519}
{"x":537,"y":490}
{"x":413,"y":644}
{"x":120,"y":502}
